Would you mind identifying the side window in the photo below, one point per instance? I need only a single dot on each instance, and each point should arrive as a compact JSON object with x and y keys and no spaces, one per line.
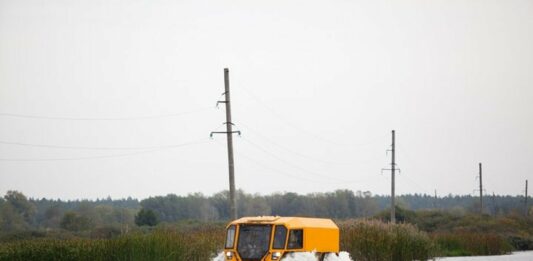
{"x":296,"y":239}
{"x":230,"y":237}
{"x":279,"y":237}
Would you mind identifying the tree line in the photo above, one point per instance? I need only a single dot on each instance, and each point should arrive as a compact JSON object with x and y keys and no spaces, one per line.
{"x":19,"y":213}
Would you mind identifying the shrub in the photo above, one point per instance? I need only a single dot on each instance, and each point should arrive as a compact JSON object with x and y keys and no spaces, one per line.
{"x":146,"y":217}
{"x":375,"y":240}
{"x":74,"y":222}
{"x":471,"y":243}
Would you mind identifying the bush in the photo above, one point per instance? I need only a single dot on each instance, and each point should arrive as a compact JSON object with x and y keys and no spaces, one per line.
{"x":105,"y":232}
{"x":72,"y":221}
{"x":22,"y":235}
{"x":520,"y":243}
{"x":471,"y":244}
{"x":375,"y":240}
{"x":146,"y":217}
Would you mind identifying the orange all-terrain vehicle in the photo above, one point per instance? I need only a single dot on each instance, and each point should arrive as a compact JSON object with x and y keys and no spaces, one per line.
{"x":270,"y":238}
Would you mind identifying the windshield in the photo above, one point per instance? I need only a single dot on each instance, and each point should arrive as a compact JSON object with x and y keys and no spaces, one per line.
{"x":254,"y":241}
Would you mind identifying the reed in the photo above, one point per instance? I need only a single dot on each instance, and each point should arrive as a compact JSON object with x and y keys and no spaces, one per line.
{"x":366,"y":240}
{"x":164,"y":244}
{"x":471,"y":244}
{"x":375,"y":240}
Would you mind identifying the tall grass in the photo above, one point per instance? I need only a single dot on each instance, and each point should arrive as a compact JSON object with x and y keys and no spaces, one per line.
{"x":471,"y":244}
{"x":375,"y":240}
{"x":365,"y":240}
{"x":167,"y":244}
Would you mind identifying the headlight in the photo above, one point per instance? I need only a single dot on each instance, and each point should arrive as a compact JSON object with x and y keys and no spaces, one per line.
{"x":276,"y":255}
{"x":229,"y":255}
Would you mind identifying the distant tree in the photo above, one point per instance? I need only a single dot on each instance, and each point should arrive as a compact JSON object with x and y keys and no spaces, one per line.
{"x":16,"y":212}
{"x":21,"y":205}
{"x":10,"y":220}
{"x":146,"y":217}
{"x":169,"y":208}
{"x":220,"y":202}
{"x":88,"y":210}
{"x":72,"y":221}
{"x":124,"y":216}
{"x":253,"y":205}
{"x":52,"y":216}
{"x":20,"y":213}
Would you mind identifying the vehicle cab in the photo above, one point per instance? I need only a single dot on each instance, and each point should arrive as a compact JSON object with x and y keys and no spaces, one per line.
{"x":270,"y":238}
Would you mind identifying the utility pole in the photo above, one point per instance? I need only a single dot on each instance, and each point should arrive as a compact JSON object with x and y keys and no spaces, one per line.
{"x":527,"y":210}
{"x":480,"y":189}
{"x":435,"y":200}
{"x":393,"y":181}
{"x":229,"y":133}
{"x":494,"y":212}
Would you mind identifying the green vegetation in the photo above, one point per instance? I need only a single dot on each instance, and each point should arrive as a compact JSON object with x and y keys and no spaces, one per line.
{"x":161,"y":244}
{"x":471,"y":234}
{"x":374,"y":240}
{"x":146,"y":217}
{"x":191,"y":227}
{"x":74,"y":222}
{"x":363,"y":239}
{"x":471,"y":244}
{"x":20,"y":213}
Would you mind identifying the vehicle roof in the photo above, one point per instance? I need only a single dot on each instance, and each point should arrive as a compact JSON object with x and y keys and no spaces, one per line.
{"x":289,"y":222}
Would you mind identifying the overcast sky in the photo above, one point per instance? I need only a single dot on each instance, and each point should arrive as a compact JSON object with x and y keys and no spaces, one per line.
{"x":116,"y":97}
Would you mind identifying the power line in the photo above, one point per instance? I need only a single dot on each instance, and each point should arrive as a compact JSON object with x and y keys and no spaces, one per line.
{"x":428,"y":191}
{"x":280,"y":146}
{"x":299,"y":129}
{"x":285,"y":173}
{"x":103,"y":156}
{"x":301,"y":155}
{"x":51,"y":146}
{"x":326,"y":177}
{"x":287,"y":162}
{"x":45,"y":117}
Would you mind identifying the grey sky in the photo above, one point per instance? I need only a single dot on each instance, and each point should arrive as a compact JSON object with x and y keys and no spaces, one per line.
{"x":316,"y":87}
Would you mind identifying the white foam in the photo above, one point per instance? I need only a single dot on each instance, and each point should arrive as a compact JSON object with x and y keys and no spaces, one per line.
{"x":302,"y":256}
{"x":343,"y":256}
{"x":219,"y":257}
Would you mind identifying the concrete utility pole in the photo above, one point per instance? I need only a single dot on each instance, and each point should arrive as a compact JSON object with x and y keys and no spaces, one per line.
{"x":229,"y":133}
{"x":480,"y":189}
{"x":527,"y":210}
{"x":393,"y":180}
{"x":393,"y":168}
{"x":494,"y":212}
{"x":435,"y":200}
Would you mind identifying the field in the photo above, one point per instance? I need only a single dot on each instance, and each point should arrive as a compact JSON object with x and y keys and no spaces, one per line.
{"x":363,"y":239}
{"x":192,"y":227}
{"x":160,"y":244}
